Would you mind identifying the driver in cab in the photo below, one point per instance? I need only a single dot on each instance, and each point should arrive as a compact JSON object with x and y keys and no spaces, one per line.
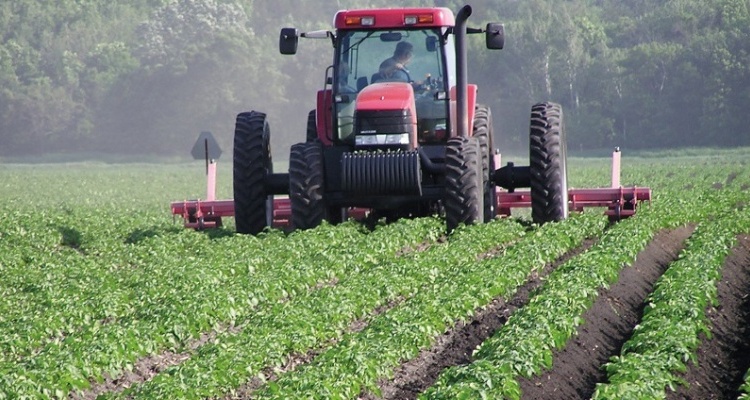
{"x":394,"y":69}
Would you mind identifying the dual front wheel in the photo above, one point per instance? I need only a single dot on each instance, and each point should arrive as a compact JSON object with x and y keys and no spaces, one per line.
{"x":470,"y":191}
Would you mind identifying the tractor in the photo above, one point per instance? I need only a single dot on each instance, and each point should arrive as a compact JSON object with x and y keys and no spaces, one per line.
{"x":397,"y":133}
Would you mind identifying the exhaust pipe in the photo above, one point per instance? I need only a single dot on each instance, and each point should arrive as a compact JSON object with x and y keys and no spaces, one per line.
{"x":462,"y":78}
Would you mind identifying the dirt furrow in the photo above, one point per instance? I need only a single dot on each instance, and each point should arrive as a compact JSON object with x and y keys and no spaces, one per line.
{"x":293,"y":361}
{"x":577,"y":368}
{"x":147,"y":367}
{"x":723,"y":359}
{"x":456,"y":345}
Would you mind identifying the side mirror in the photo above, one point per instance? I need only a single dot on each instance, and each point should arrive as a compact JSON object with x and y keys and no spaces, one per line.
{"x":495,"y":36}
{"x":431,"y":43}
{"x":288,"y":40}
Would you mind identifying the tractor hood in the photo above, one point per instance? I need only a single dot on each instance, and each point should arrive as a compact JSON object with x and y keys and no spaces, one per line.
{"x":386,"y":96}
{"x":386,"y":116}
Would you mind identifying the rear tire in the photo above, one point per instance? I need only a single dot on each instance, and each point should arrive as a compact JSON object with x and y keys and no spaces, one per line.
{"x":463,"y":183}
{"x":312,"y":127}
{"x":252,"y":163}
{"x":306,"y":185}
{"x":483,"y":133}
{"x":549,"y":176}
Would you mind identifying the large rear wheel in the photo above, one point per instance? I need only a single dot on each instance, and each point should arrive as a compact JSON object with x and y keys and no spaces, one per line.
{"x":483,"y":133}
{"x":463,"y":201}
{"x":252,"y":163}
{"x":547,"y":153}
{"x":306,"y":185}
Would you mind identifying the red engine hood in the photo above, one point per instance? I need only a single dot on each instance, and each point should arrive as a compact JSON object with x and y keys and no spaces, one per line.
{"x":387,"y":96}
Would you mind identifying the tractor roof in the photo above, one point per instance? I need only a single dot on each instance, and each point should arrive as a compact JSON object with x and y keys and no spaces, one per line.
{"x":379,"y":18}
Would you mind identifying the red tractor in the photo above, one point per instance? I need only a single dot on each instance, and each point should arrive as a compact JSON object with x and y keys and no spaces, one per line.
{"x":397,"y":132}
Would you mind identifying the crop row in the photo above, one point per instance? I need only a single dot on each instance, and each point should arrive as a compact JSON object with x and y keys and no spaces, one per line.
{"x":96,"y":279}
{"x":675,"y":316}
{"x":524,"y":346}
{"x":363,"y":358}
{"x":317,"y":319}
{"x":86,"y":318}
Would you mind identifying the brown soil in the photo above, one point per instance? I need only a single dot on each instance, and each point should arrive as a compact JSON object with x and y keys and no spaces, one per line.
{"x":455,"y":346}
{"x":146,"y":368}
{"x":576,"y":369}
{"x":718,"y":373}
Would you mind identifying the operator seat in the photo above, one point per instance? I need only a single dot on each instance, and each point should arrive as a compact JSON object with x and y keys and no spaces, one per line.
{"x":361,"y":83}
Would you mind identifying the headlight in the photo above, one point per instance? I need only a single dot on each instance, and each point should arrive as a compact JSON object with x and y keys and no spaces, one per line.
{"x":374,"y":140}
{"x":366,"y":140}
{"x":399,"y":138}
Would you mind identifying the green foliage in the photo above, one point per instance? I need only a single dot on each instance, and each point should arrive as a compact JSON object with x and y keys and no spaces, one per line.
{"x":745,"y":388}
{"x":459,"y":286}
{"x":143,"y":76}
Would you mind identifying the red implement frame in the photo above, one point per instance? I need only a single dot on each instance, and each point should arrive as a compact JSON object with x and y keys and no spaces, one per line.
{"x":620,"y":202}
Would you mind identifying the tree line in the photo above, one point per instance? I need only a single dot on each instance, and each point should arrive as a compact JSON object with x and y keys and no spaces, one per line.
{"x":146,"y":76}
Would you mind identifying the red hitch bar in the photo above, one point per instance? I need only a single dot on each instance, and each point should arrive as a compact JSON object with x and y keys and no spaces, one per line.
{"x":620,"y":202}
{"x":207,"y":214}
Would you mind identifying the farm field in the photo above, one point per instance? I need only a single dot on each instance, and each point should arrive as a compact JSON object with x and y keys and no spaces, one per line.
{"x":104,"y":295}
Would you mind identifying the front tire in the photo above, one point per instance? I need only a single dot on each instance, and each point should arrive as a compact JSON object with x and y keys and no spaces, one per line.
{"x":306,"y":185}
{"x":252,"y":163}
{"x":549,"y":175}
{"x":483,"y":133}
{"x":463,"y":201}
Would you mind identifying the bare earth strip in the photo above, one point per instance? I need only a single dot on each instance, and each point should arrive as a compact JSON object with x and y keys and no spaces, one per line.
{"x":295,"y":360}
{"x":147,"y":367}
{"x":576,"y":368}
{"x":456,"y":345}
{"x":723,"y":359}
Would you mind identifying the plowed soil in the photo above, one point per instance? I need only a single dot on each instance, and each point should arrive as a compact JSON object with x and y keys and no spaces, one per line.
{"x":609,"y":323}
{"x":718,"y":373}
{"x":724,"y":358}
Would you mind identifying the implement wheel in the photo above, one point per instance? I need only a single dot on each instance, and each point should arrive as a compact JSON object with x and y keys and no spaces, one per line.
{"x":463,"y":201}
{"x":306,"y":185}
{"x":549,"y":175}
{"x":483,"y":133}
{"x":253,"y":207}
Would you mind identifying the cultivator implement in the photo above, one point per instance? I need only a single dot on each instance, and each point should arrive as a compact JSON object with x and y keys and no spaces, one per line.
{"x":620,"y":202}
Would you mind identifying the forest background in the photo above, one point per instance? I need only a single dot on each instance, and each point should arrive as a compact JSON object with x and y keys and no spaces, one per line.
{"x":147,"y":76}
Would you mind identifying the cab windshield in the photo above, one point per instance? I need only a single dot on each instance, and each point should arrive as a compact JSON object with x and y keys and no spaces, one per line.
{"x":414,"y":56}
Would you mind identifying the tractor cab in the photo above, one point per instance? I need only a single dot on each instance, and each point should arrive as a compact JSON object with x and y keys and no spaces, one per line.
{"x":394,"y":81}
{"x":391,"y":87}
